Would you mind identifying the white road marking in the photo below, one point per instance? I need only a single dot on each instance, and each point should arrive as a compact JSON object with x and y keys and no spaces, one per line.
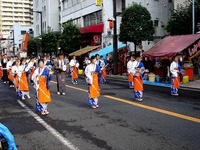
{"x":55,"y":133}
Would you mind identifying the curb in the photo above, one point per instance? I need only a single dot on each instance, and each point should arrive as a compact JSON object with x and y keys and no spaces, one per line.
{"x":182,"y":87}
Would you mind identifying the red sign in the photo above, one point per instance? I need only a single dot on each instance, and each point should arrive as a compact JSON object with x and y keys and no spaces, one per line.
{"x":97,"y":39}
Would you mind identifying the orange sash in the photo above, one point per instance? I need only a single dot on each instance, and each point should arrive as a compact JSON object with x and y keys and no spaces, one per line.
{"x":177,"y":82}
{"x":130,"y":78}
{"x":74,"y":73}
{"x":138,"y":83}
{"x":16,"y":81}
{"x":94,"y":88}
{"x":10,"y":75}
{"x":23,"y":82}
{"x":104,"y":73}
{"x":1,"y":72}
{"x":43,"y":92}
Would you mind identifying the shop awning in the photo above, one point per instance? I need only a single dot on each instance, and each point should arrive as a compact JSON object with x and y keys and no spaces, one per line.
{"x":171,"y":45}
{"x":106,"y":50}
{"x":84,"y":50}
{"x":93,"y":29}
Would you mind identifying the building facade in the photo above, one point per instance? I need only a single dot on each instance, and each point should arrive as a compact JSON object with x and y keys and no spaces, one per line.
{"x":14,"y":12}
{"x":45,"y":14}
{"x":92,"y":19}
{"x":178,"y":2}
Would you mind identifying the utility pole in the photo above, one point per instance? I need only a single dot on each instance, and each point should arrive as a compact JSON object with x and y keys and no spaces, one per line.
{"x":193,"y":17}
{"x":115,"y":43}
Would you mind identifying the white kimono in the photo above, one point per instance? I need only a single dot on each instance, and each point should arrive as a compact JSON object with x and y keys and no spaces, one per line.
{"x":174,"y":69}
{"x":88,"y":72}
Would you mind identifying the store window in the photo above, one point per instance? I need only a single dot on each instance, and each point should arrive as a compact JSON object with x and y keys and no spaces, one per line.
{"x":93,"y":19}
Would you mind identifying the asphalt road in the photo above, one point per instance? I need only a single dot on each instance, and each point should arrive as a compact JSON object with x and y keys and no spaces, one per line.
{"x":159,"y":122}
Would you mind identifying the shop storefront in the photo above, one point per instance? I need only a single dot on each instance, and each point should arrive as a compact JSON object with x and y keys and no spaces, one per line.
{"x":91,"y":35}
{"x":187,"y":47}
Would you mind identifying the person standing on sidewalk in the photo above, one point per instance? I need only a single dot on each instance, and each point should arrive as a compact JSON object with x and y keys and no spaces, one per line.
{"x":138,"y":72}
{"x":1,"y":71}
{"x":175,"y":76}
{"x":61,"y":68}
{"x":92,"y":72}
{"x":41,"y":78}
{"x":74,"y":64}
{"x":5,"y":73}
{"x":198,"y":64}
{"x":23,"y":81}
{"x":129,"y":70}
{"x":103,"y":65}
{"x":15,"y":73}
{"x":31,"y":68}
{"x":9,"y":66}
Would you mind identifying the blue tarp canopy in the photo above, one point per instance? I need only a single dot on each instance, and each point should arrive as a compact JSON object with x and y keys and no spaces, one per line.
{"x":106,"y":50}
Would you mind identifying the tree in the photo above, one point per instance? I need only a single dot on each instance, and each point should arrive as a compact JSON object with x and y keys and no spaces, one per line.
{"x":32,"y":46}
{"x":70,"y":38}
{"x":136,"y":25}
{"x":49,"y":41}
{"x":180,"y":22}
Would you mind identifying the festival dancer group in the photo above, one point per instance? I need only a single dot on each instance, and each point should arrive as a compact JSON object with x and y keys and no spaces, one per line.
{"x":38,"y":72}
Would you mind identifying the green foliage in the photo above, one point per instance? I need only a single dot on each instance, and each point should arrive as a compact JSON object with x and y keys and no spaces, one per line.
{"x":70,"y":38}
{"x":32,"y":46}
{"x":49,"y":41}
{"x":136,"y":25}
{"x":180,"y":22}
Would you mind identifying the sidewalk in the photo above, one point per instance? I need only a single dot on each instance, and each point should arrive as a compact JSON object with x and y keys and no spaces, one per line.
{"x":191,"y":85}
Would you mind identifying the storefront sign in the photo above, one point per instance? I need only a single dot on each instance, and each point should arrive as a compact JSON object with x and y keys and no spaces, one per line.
{"x":97,"y":39}
{"x":98,"y":2}
{"x":193,"y":50}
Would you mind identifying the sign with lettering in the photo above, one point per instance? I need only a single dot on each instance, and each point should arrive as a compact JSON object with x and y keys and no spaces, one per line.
{"x":194,"y":49}
{"x":98,"y":2}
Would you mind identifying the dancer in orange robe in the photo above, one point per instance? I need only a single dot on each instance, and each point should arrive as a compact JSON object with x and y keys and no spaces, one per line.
{"x":41,"y":78}
{"x":175,"y":80}
{"x":74,"y":64}
{"x":92,"y":72}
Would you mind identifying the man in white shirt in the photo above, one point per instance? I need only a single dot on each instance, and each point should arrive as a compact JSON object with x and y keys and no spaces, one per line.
{"x":8,"y":67}
{"x":61,"y":68}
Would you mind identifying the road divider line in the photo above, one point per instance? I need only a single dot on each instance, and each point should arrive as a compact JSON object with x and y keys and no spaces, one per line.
{"x":193,"y":119}
{"x":54,"y":132}
{"x":166,"y":112}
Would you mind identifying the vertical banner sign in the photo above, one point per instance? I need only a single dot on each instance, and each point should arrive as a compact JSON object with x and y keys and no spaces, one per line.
{"x":98,"y":2}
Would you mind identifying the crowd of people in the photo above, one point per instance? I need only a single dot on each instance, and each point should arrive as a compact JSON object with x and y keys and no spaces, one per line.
{"x":18,"y":73}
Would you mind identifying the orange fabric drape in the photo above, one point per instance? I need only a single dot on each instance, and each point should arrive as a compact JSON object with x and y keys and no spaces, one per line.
{"x":1,"y":72}
{"x":23,"y":82}
{"x":104,"y":73}
{"x":138,"y":83}
{"x":177,"y":82}
{"x":10,"y":75}
{"x":16,"y":81}
{"x":43,"y":92}
{"x":130,"y":78}
{"x":75,"y":72}
{"x":94,"y":88}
